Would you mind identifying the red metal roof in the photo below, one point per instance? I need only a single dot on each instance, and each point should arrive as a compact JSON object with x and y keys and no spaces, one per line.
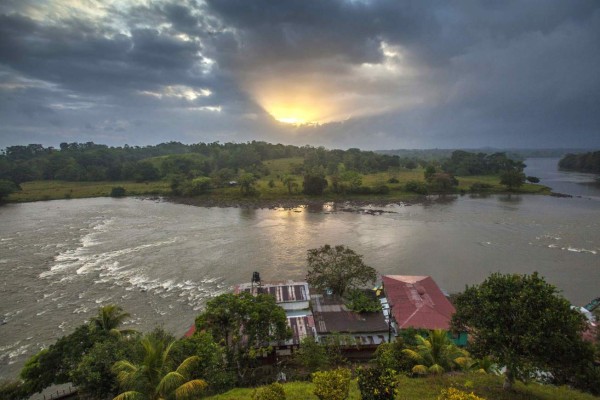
{"x":417,"y":302}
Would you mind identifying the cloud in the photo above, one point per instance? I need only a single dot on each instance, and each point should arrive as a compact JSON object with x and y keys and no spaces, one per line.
{"x":371,"y":74}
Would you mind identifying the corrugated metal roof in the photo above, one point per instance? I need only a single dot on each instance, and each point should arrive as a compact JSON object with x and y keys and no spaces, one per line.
{"x":417,"y":302}
{"x":284,"y":292}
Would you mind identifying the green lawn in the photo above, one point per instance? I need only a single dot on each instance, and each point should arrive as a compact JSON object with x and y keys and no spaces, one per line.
{"x":486,"y":386}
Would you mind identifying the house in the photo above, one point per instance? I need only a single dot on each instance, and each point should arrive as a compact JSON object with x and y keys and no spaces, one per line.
{"x":366,"y":330}
{"x":289,"y":295}
{"x":294,"y":298}
{"x":417,"y":302}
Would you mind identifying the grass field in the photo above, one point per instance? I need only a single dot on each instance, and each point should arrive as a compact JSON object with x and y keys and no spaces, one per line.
{"x":51,"y":190}
{"x":486,"y":386}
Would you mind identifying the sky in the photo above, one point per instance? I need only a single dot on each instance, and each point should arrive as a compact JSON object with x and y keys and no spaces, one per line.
{"x":372,"y":74}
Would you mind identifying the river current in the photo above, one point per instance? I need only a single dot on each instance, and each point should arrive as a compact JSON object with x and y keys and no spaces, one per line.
{"x":61,"y":260}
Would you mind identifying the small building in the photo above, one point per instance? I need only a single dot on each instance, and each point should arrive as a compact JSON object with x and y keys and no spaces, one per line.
{"x":417,"y":302}
{"x":294,"y":298}
{"x":289,"y":295}
{"x":366,"y":330}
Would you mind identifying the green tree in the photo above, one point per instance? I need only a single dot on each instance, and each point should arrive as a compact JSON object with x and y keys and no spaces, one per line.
{"x":513,"y":179}
{"x":7,"y":188}
{"x":434,"y":354}
{"x":94,"y":376}
{"x":213,"y":368}
{"x":154,"y":378}
{"x":337,"y":268}
{"x":245,"y":324}
{"x":247,"y":181}
{"x":54,"y":364}
{"x":289,"y":182}
{"x":521,"y":321}
{"x":109,"y":318}
{"x":442,"y":182}
{"x":312,"y":355}
{"x":314,"y":182}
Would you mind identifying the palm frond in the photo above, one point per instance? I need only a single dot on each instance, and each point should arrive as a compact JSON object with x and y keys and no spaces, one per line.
{"x":191,"y":388}
{"x":188,"y":365}
{"x":436,"y":369}
{"x":131,"y":395}
{"x":420,"y":370}
{"x":413,"y":355}
{"x":169,"y":383}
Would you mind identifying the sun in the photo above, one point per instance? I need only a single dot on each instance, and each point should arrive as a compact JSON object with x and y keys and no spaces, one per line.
{"x":296,"y":113}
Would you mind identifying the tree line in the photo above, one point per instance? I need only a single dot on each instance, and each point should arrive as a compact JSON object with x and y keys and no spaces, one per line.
{"x":584,"y":162}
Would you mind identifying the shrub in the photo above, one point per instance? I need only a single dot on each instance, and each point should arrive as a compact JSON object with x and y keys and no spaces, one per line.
{"x":117,"y":191}
{"x":393,"y":180}
{"x":480,"y":187}
{"x":416,"y":187}
{"x":381,"y":189}
{"x":273,"y":391}
{"x":455,"y":394}
{"x":533,"y":179}
{"x":377,"y":384}
{"x":332,"y":385}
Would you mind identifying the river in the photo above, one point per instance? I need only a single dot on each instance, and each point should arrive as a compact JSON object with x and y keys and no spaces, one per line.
{"x":61,"y":260}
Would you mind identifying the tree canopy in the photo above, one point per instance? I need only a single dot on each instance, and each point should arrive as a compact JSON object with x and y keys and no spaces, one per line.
{"x":338,"y":269}
{"x":523,"y":322}
{"x":245,"y":324}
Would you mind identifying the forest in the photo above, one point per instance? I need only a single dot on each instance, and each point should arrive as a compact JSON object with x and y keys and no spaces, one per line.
{"x":584,"y":162}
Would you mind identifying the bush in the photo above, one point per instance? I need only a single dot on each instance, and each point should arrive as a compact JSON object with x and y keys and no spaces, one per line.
{"x":273,"y":391}
{"x":455,"y":394}
{"x":480,"y":187}
{"x":117,"y":191}
{"x":332,"y":385}
{"x":377,"y":384}
{"x":13,"y":389}
{"x":533,"y":179}
{"x":393,"y":180}
{"x":381,"y":189}
{"x":416,"y":187}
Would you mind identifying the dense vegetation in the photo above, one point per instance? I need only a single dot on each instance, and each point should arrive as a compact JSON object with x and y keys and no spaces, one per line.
{"x":250,"y":170}
{"x":585,"y":162}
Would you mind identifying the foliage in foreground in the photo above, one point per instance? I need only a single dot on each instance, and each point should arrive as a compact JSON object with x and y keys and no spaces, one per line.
{"x":429,"y":388}
{"x":273,"y":391}
{"x":522,"y":322}
{"x":377,"y":384}
{"x":153,"y":378}
{"x":332,"y":385}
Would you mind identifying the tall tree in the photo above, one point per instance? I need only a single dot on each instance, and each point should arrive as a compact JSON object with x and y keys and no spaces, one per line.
{"x":521,"y":321}
{"x":512,"y":179}
{"x":338,"y":269}
{"x":245,"y":324}
{"x":153,"y":378}
{"x":109,"y":318}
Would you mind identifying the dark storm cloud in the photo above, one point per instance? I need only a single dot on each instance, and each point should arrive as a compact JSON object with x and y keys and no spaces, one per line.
{"x":406,"y":74}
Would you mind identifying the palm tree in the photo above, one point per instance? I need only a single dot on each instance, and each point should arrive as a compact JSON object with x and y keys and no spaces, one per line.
{"x":435,"y":354}
{"x":152,"y":379}
{"x":108,"y":320}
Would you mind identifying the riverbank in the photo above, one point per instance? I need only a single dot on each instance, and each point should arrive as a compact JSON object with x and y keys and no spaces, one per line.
{"x":265,"y":197}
